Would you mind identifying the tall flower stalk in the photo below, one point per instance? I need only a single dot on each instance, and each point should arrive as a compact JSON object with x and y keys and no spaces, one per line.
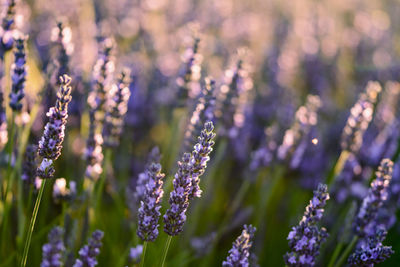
{"x":240,"y":251}
{"x":49,"y":149}
{"x":18,"y":74}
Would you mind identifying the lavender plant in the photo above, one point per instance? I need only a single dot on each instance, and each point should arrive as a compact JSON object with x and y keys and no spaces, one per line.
{"x":240,"y":251}
{"x":306,"y":238}
{"x":18,"y":76}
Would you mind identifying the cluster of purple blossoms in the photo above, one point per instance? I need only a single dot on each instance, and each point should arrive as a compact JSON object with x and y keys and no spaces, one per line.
{"x":88,"y":254}
{"x":175,"y":216}
{"x":50,"y":144}
{"x":360,"y":117}
{"x":29,"y":165}
{"x":240,"y":251}
{"x":18,"y":74}
{"x":373,"y":252}
{"x":203,"y":112}
{"x":306,"y":238}
{"x":137,"y":187}
{"x":188,"y":80}
{"x":364,"y":224}
{"x":117,"y":108}
{"x":52,"y":252}
{"x":200,"y":157}
{"x":186,"y":182}
{"x":149,"y":211}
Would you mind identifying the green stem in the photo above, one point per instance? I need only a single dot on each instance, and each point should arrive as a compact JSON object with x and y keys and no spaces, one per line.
{"x":165,"y":252}
{"x":335,"y":254}
{"x":143,"y":254}
{"x":32,"y":224}
{"x":346,"y":252}
{"x":100,"y":184}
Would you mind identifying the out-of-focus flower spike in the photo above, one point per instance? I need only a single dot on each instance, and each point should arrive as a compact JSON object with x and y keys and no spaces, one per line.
{"x":135,"y":254}
{"x":18,"y":73}
{"x":188,"y":80}
{"x":8,"y":18}
{"x":365,"y":224}
{"x":306,"y":238}
{"x":200,"y":157}
{"x":102,"y":75}
{"x":117,"y":108}
{"x":50,"y":144}
{"x":360,"y":117}
{"x":203,"y":112}
{"x":306,"y":117}
{"x":240,"y":251}
{"x":29,"y":165}
{"x":52,"y":252}
{"x":94,"y":151}
{"x":62,"y":38}
{"x":88,"y":254}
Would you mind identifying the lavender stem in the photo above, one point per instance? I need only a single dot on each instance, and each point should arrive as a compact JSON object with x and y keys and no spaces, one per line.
{"x":143,"y":254}
{"x":166,"y":248}
{"x":32,"y":224}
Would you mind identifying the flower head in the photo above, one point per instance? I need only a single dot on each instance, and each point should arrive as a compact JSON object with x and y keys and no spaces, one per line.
{"x":240,"y":251}
{"x":306,"y":238}
{"x":149,"y":211}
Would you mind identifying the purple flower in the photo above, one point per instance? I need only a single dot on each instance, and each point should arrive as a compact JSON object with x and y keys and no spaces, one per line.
{"x":306,"y":238}
{"x":18,"y":74}
{"x":240,"y":251}
{"x":6,"y":39}
{"x":360,"y":117}
{"x":53,"y":251}
{"x":88,"y":254}
{"x":175,"y":216}
{"x":51,"y":142}
{"x":117,"y":108}
{"x":373,"y":252}
{"x":200,"y":157}
{"x":149,"y":211}
{"x":364,"y":224}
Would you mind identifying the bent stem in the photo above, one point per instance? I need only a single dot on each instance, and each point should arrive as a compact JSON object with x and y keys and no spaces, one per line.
{"x":32,"y":224}
{"x":164,"y":256}
{"x":143,"y":254}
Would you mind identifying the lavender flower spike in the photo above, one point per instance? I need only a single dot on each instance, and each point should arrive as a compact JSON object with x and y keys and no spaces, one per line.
{"x":175,"y":216}
{"x":373,"y":252}
{"x":88,"y":254}
{"x":149,"y":211}
{"x":118,"y":106}
{"x":364,"y":224}
{"x":360,"y":117}
{"x":240,"y":251}
{"x":53,"y":251}
{"x":29,"y":165}
{"x":200,"y":157}
{"x":51,"y":142}
{"x":18,"y":73}
{"x":306,"y":238}
{"x":6,"y":40}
